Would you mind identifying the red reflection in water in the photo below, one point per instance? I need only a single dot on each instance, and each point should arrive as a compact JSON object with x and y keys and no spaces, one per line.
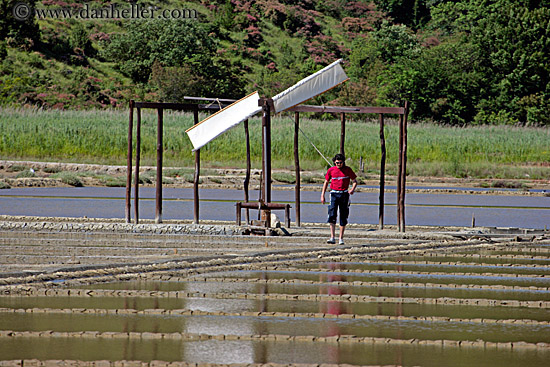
{"x":332,"y":307}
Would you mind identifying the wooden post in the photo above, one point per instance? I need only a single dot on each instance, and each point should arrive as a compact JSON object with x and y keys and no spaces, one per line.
{"x":158,"y":215}
{"x":266,"y":155}
{"x":404,"y":167}
{"x":247,"y":175}
{"x":382,"y":174}
{"x":287,"y":215}
{"x":342,"y":133}
{"x":138,"y":158}
{"x":129,"y":163}
{"x":297,"y":168}
{"x":196,"y":179}
{"x":266,"y":125}
{"x":400,"y":172}
{"x":238,"y":214}
{"x":197,"y":176}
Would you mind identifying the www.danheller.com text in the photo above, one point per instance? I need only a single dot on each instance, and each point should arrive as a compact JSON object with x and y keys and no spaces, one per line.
{"x":114,"y":11}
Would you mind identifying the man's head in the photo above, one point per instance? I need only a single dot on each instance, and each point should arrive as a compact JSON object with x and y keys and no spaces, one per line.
{"x":339,"y":160}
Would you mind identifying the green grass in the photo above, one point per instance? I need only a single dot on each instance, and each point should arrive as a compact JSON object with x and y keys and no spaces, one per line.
{"x":100,"y":136}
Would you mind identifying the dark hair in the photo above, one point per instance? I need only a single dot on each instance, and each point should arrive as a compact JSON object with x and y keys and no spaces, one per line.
{"x":339,"y":157}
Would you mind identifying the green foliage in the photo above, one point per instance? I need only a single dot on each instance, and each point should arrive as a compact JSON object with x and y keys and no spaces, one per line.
{"x":26,"y":174}
{"x":516,"y":47}
{"x":3,"y":51}
{"x":170,"y":42}
{"x":410,"y":12}
{"x":284,"y":177}
{"x":80,"y":40}
{"x":18,"y":32}
{"x":68,"y":178}
{"x":491,"y":67}
{"x":225,"y":17}
{"x":16,"y":168}
{"x":506,"y":45}
{"x":458,"y":62}
{"x":110,"y":181}
{"x":51,"y":169}
{"x":100,"y":137}
{"x":179,"y":58}
{"x":393,"y":42}
{"x":442,"y":83}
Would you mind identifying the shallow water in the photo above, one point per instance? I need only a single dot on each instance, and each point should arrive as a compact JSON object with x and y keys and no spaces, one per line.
{"x":325,"y":287}
{"x":396,"y":278}
{"x":241,"y":305}
{"x":311,"y":318}
{"x":474,"y":261}
{"x":259,"y":352}
{"x":242,"y":325}
{"x":422,"y":209}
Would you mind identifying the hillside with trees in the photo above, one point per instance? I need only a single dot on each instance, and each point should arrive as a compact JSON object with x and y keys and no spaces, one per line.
{"x":457,"y":62}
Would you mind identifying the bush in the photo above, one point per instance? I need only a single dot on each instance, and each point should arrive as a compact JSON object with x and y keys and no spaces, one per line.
{"x":68,"y":178}
{"x":51,"y":169}
{"x":113,"y":181}
{"x":16,"y":168}
{"x":26,"y":174}
{"x":284,"y":177}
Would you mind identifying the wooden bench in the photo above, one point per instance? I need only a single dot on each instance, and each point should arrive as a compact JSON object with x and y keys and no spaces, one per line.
{"x":263,"y":206}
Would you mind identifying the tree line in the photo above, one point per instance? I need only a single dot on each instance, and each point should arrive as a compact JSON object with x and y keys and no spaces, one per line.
{"x":457,"y":62}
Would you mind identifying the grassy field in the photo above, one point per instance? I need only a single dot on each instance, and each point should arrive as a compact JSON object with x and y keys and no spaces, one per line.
{"x":100,"y":137}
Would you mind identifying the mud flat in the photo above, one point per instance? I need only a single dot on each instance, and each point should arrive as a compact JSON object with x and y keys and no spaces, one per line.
{"x":90,"y":293}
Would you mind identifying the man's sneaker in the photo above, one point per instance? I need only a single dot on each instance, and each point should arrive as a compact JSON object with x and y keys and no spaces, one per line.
{"x":331,"y":241}
{"x":341,"y":242}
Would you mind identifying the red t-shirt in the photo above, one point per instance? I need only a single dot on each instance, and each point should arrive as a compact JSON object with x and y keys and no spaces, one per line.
{"x":340,"y":178}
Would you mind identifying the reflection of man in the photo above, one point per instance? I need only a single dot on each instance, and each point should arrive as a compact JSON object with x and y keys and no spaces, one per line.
{"x":339,"y":177}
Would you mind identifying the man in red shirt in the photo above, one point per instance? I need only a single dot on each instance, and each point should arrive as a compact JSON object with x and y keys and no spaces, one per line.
{"x":339,"y":177}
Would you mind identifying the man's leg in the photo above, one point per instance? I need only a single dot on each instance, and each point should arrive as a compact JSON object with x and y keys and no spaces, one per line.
{"x":332,"y":218}
{"x":341,"y":239}
{"x":344,"y":213}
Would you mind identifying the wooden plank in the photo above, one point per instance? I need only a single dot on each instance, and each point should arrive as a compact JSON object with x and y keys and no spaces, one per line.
{"x":168,"y":106}
{"x":188,"y":98}
{"x":257,"y":205}
{"x":340,"y":109}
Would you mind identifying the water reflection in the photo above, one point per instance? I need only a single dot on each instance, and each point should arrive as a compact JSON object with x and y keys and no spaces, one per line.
{"x":332,"y":307}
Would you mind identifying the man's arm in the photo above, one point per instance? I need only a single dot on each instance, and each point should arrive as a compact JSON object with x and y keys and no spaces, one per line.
{"x":325,"y":185}
{"x":353,"y":186}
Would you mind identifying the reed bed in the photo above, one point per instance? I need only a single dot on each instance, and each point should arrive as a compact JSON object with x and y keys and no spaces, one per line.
{"x":100,"y":137}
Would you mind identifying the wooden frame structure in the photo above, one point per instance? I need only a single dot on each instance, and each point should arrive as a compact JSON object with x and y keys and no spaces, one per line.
{"x":160,"y":107}
{"x":402,"y":112}
{"x":265,"y":194}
